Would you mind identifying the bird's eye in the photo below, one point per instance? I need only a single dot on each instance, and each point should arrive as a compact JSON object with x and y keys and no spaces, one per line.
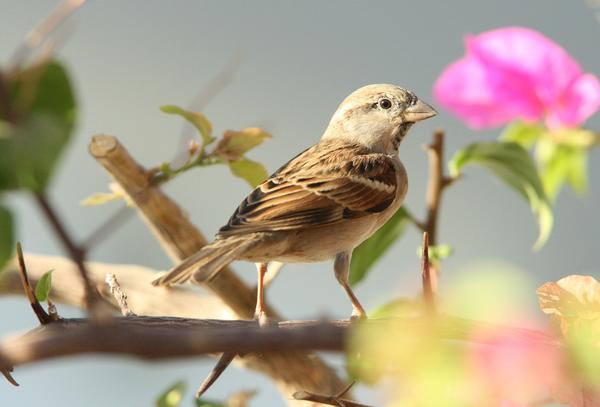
{"x":385,"y":104}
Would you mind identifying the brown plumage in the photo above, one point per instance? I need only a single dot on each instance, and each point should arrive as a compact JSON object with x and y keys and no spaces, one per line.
{"x":325,"y":201}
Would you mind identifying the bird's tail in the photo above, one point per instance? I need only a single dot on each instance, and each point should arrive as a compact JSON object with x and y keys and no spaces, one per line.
{"x":205,"y":264}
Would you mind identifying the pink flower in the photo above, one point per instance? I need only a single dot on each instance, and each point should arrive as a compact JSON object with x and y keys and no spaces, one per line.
{"x":517,"y":73}
{"x":515,"y":369}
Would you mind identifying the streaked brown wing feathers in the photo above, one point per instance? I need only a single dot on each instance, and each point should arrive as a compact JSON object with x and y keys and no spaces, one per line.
{"x":325,"y":184}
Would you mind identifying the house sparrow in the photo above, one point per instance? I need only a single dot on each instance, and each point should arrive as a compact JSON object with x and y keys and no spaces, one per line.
{"x":325,"y":201}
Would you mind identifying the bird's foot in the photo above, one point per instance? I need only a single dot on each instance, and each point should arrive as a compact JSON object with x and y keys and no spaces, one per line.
{"x":262,"y":318}
{"x":358,"y":315}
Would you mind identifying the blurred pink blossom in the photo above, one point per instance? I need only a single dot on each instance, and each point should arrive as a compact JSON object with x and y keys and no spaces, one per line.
{"x":517,"y":73}
{"x":515,"y":369}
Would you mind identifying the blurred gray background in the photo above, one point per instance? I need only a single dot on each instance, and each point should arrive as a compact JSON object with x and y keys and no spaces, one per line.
{"x":297,"y":61}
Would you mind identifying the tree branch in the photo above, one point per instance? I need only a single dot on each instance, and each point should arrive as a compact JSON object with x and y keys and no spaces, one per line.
{"x":435,"y":187}
{"x":37,"y":308}
{"x":134,"y":280}
{"x":118,"y":294}
{"x":156,"y":338}
{"x":292,"y":371}
{"x":436,"y":184}
{"x":428,"y":296}
{"x":91,"y":299}
{"x":42,"y":30}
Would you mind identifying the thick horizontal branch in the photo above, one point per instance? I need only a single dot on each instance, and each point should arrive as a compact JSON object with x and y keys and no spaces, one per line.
{"x":161,"y":338}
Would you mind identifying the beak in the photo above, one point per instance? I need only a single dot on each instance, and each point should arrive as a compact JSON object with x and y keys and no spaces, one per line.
{"x":419,"y":111}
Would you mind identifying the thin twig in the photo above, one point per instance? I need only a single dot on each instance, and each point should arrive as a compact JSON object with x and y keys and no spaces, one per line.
{"x":416,"y":222}
{"x":206,"y":94}
{"x":428,"y":292}
{"x":224,"y":361}
{"x":118,"y":294}
{"x":38,"y":310}
{"x":52,"y":312}
{"x":75,"y":252}
{"x":335,"y":400}
{"x":41,"y":31}
{"x":6,"y":373}
{"x":435,"y":185}
{"x":209,"y":91}
{"x":107,"y":228}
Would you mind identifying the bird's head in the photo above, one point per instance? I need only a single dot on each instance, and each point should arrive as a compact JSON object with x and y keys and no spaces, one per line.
{"x":378,"y":116}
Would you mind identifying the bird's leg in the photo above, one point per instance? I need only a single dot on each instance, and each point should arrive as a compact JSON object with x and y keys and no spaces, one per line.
{"x":260,"y":314}
{"x":341,"y":266}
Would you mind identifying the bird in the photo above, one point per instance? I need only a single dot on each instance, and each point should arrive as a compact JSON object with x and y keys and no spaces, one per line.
{"x":325,"y":201}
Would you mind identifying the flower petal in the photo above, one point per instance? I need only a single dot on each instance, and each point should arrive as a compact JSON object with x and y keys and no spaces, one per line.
{"x":517,"y":73}
{"x":463,"y":89}
{"x":577,"y":104}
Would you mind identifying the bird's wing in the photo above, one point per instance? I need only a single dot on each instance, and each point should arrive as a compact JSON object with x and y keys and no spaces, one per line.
{"x":325,"y":184}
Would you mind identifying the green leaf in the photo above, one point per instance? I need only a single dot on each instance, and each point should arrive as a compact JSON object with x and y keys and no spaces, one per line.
{"x":253,"y":172}
{"x":372,"y":249}
{"x":197,"y":119}
{"x":172,"y":396}
{"x":437,"y":253}
{"x":513,"y":165}
{"x":43,"y":286}
{"x":525,"y":134}
{"x":235,"y":144}
{"x":577,"y":175}
{"x":560,"y":164}
{"x":7,"y":242}
{"x":44,"y":104}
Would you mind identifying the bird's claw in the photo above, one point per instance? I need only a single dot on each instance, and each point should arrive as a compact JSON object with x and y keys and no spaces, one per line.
{"x":262,"y":318}
{"x":358,"y":315}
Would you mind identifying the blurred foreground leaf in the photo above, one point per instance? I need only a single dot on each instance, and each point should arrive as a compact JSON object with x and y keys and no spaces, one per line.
{"x":43,"y":286}
{"x":197,"y":119}
{"x":251,"y":171}
{"x":7,"y":242}
{"x":513,"y":165}
{"x":172,"y":396}
{"x":574,"y":302}
{"x":524,"y":134}
{"x":372,"y":249}
{"x":401,"y":307}
{"x":424,"y":362}
{"x":571,"y":298}
{"x":43,"y":119}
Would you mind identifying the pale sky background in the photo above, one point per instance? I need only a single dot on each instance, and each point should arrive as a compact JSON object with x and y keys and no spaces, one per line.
{"x":298,"y":61}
